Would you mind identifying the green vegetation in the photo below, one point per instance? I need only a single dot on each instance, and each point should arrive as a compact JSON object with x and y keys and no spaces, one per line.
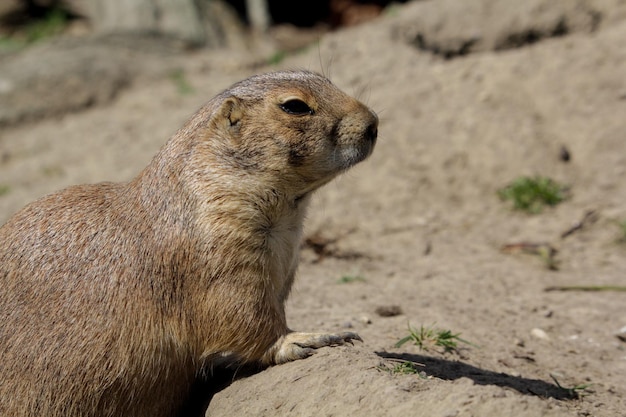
{"x":575,"y":391}
{"x":52,"y":171}
{"x":428,"y":337}
{"x":181,"y":82}
{"x":8,"y":44}
{"x":392,"y":10}
{"x":402,"y":368}
{"x":51,"y":24}
{"x":277,"y":58}
{"x":548,"y":256}
{"x":532,"y":194}
{"x":4,"y":189}
{"x":347,"y":279}
{"x":280,"y":55}
{"x":544,"y":251}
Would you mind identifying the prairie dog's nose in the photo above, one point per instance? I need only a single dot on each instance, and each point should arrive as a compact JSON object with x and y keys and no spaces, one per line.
{"x":371,"y":132}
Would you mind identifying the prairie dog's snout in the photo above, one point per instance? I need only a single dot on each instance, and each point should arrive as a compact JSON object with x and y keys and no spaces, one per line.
{"x":359,"y":131}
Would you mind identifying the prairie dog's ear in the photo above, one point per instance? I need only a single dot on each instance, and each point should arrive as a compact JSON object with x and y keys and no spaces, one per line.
{"x":228,"y":116}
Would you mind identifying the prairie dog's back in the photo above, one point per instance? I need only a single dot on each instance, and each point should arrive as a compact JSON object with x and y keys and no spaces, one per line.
{"x":71,"y":294}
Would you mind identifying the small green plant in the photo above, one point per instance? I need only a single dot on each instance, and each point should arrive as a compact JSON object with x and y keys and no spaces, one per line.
{"x":51,"y":24}
{"x":8,"y":44}
{"x":4,"y":189}
{"x":402,"y":368}
{"x":280,"y":55}
{"x":277,"y":58}
{"x":392,"y":10}
{"x":52,"y":171}
{"x":532,"y":194}
{"x":181,"y":82}
{"x":544,"y":251}
{"x":428,"y":337}
{"x":576,"y":391}
{"x":347,"y":279}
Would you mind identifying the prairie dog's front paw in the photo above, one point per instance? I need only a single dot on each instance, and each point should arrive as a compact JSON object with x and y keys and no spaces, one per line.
{"x":298,"y":345}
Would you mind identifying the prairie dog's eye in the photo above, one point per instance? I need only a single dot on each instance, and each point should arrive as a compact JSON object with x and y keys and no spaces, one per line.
{"x":296,"y":107}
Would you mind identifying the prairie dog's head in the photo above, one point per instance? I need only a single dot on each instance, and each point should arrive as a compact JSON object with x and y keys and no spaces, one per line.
{"x":295,"y":124}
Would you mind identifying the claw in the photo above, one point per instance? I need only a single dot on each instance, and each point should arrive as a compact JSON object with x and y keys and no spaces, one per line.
{"x":346,"y":337}
{"x":301,"y":345}
{"x":350,"y":336}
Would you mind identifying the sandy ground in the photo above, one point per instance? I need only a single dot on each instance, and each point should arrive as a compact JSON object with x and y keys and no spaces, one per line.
{"x":420,"y":222}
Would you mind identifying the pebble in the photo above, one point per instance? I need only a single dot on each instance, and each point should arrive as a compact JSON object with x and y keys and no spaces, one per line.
{"x":621,"y":334}
{"x":539,"y":334}
{"x":388,"y":310}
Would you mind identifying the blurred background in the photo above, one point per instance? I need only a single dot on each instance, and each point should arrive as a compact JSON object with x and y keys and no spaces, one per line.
{"x":75,"y":36}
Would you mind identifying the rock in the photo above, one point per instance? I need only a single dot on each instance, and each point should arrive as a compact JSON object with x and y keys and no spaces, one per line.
{"x":621,"y":334}
{"x":494,"y":24}
{"x":539,"y":334}
{"x":52,"y":79}
{"x":388,"y":310}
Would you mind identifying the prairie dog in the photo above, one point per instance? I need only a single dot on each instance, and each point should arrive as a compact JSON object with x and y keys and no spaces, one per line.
{"x":115,"y":295}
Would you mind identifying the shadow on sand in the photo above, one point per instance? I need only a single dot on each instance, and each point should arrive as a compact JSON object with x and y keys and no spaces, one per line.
{"x":450,"y":370}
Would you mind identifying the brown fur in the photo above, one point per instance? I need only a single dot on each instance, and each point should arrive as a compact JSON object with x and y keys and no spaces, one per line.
{"x":114,"y":296}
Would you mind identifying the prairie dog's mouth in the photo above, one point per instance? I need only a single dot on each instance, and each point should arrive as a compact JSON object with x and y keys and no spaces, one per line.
{"x":352,"y":155}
